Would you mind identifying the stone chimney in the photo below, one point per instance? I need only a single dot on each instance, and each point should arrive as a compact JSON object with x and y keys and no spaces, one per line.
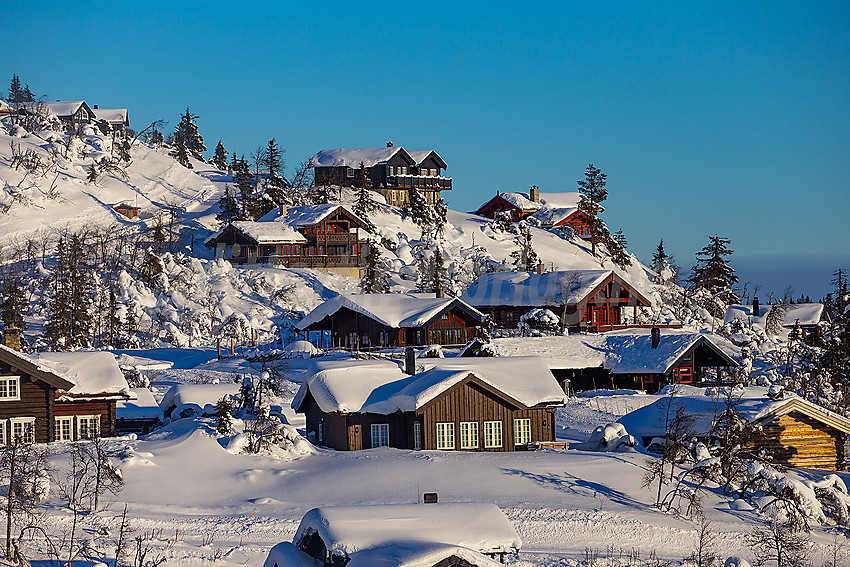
{"x":540,"y":268}
{"x":534,"y":193}
{"x":756,"y":310}
{"x":390,"y":144}
{"x":656,"y":337}
{"x":12,"y":338}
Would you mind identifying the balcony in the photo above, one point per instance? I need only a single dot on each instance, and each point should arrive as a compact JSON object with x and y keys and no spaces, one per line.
{"x":427,"y":182}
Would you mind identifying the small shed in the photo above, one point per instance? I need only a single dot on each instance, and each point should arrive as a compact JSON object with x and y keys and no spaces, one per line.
{"x":797,"y":433}
{"x":129,"y":211}
{"x":426,"y":535}
{"x":138,"y":414}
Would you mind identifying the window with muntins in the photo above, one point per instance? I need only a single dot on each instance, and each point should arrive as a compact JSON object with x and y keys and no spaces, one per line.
{"x":445,"y":436}
{"x":522,"y":431}
{"x":23,"y":428}
{"x":64,"y":429}
{"x":492,"y":434}
{"x":469,"y":435}
{"x":417,"y":435}
{"x":88,"y":426}
{"x":10,"y":388}
{"x":380,"y":435}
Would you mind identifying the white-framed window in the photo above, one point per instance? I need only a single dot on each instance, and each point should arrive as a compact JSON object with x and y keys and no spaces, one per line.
{"x":445,"y":436}
{"x":321,"y":432}
{"x":23,"y":428}
{"x":380,"y":435}
{"x":64,"y":428}
{"x":391,"y":170}
{"x":3,"y":431}
{"x":88,"y":426}
{"x":417,"y":435}
{"x":469,"y":435}
{"x":349,"y":172}
{"x":492,"y":434}
{"x":10,"y":388}
{"x":522,"y":431}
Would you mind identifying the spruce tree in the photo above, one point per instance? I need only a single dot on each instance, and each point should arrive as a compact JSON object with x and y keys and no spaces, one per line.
{"x":662,"y":264}
{"x":68,"y":325}
{"x":842,"y":293}
{"x":228,"y":208}
{"x":375,"y":278}
{"x":220,"y":156}
{"x":16,"y":93}
{"x":364,"y":204}
{"x":272,"y":161}
{"x":593,"y":192}
{"x":617,"y":247}
{"x":187,"y":140}
{"x":525,"y":258}
{"x":440,"y":274}
{"x":14,"y":307}
{"x":92,"y":175}
{"x":713,"y":272}
{"x":251,"y":207}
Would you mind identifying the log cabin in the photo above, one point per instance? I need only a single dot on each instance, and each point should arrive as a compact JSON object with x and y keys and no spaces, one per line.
{"x":364,"y":321}
{"x":58,"y":396}
{"x":138,"y":414}
{"x":805,"y":316}
{"x":393,"y":172}
{"x":127,"y":210}
{"x":112,"y":120}
{"x":490,"y":405}
{"x":321,"y":237}
{"x":584,"y":300}
{"x":551,"y":210}
{"x":428,"y":535}
{"x":71,"y":112}
{"x":796,"y":432}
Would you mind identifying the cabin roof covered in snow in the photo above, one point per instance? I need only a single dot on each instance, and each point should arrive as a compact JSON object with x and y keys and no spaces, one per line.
{"x":33,"y":366}
{"x":395,"y":310}
{"x":621,"y":352}
{"x":351,"y":157}
{"x":382,"y":387}
{"x":350,"y":530}
{"x":808,"y":314}
{"x":111,"y":115}
{"x":526,"y":289}
{"x":421,"y":155}
{"x":141,"y":405}
{"x":92,"y":372}
{"x":269,"y":232}
{"x":63,"y":107}
{"x":704,"y":404}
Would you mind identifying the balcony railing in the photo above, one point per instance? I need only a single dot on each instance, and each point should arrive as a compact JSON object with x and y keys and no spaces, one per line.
{"x":424,"y":181}
{"x":300,"y":261}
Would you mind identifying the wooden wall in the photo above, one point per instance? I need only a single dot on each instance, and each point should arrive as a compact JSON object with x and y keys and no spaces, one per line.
{"x":105,"y":409}
{"x":797,"y":440}
{"x":36,"y":400}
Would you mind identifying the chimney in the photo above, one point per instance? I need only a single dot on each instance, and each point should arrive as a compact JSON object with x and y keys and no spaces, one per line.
{"x":534,"y":193}
{"x":12,"y":338}
{"x":409,"y":361}
{"x":656,"y":337}
{"x":390,"y":144}
{"x":756,"y":311}
{"x":95,"y":107}
{"x":282,"y":209}
{"x":540,"y":268}
{"x":429,"y":498}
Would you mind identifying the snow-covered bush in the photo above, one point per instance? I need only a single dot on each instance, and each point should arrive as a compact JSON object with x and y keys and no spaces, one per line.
{"x":611,"y":437}
{"x":537,"y":322}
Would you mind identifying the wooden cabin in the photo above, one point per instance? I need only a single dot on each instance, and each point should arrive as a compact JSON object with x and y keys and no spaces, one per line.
{"x":366,"y":321}
{"x":71,"y":112}
{"x":58,"y":396}
{"x":321,"y":237}
{"x":551,"y":210}
{"x":127,"y":210}
{"x":112,"y":120}
{"x":451,"y":405}
{"x":585,"y":300}
{"x":805,"y":316}
{"x":138,"y":414}
{"x":393,"y":171}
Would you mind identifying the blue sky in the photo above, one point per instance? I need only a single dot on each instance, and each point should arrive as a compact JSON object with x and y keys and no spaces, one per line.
{"x":721,"y":118}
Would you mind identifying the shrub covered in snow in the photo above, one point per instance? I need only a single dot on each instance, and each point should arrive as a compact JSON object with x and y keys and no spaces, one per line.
{"x":611,"y":437}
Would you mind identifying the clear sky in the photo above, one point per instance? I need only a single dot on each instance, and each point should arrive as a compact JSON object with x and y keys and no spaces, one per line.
{"x":728,"y":118}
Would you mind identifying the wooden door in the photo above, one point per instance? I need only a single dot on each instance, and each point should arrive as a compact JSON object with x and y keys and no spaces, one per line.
{"x":355,"y":439}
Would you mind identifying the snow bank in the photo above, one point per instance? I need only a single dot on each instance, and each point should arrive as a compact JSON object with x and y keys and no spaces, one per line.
{"x":611,"y":437}
{"x":191,"y":399}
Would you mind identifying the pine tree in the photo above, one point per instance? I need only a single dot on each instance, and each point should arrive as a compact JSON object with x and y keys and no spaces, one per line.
{"x":617,"y":247}
{"x":842,"y":294}
{"x":525,"y":259}
{"x":187,"y":141}
{"x":228,"y":208}
{"x":220,"y":156}
{"x":68,"y":325}
{"x":272,"y":161}
{"x":713,"y":273}
{"x":440,"y":274}
{"x":662,"y":265}
{"x":364,"y":204}
{"x":28,"y":95}
{"x":251,"y":207}
{"x":593,"y":192}
{"x":92,"y":176}
{"x":417,"y":208}
{"x":113,"y":320}
{"x":14,"y":307}
{"x":16,"y":93}
{"x":375,"y":278}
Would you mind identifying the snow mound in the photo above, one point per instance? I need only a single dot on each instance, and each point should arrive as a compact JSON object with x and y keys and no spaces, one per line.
{"x":611,"y":437}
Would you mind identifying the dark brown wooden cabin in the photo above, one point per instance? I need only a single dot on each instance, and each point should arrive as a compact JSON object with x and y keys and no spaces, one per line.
{"x":464,"y":418}
{"x":128,"y":211}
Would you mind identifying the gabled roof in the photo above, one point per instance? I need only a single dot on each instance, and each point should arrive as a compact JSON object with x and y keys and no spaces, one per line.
{"x":391,"y":309}
{"x":380,"y":386}
{"x":140,"y":405}
{"x":808,"y":314}
{"x":65,"y":107}
{"x":704,"y":404}
{"x":92,"y":372}
{"x":111,"y":115}
{"x":621,"y":352}
{"x":526,"y":289}
{"x":34,"y":367}
{"x":351,"y":157}
{"x":354,"y":530}
{"x":421,"y":155}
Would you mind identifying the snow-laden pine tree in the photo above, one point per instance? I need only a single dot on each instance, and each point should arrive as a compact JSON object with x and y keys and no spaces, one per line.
{"x":228,"y":208}
{"x":68,"y":325}
{"x":715,"y":276}
{"x":364,"y":205}
{"x":187,"y":140}
{"x":14,"y":306}
{"x":662,"y":265}
{"x":525,"y":258}
{"x":376,"y":276}
{"x":593,"y":192}
{"x":220,"y":156}
{"x":272,"y":160}
{"x":617,"y":247}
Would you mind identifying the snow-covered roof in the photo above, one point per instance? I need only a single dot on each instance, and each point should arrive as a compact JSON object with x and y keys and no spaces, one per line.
{"x":304,"y":216}
{"x":4,"y":107}
{"x":351,"y":157}
{"x":111,"y":115}
{"x":521,"y":201}
{"x":395,"y":310}
{"x":353,"y":530}
{"x":141,"y":405}
{"x":33,"y":366}
{"x":421,"y":155}
{"x":704,"y":404}
{"x":807,"y":314}
{"x":196,"y":396}
{"x":63,"y":107}
{"x":621,"y":352}
{"x":525,"y":289}
{"x":269,"y":232}
{"x":380,"y":386}
{"x":92,"y":372}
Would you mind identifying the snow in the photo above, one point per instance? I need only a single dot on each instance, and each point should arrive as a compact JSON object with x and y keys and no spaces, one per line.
{"x":141,"y":405}
{"x":195,"y":397}
{"x":92,"y":372}
{"x":301,"y":349}
{"x":526,"y":289}
{"x":521,"y":201}
{"x":623,"y":352}
{"x":354,"y":529}
{"x":63,"y":107}
{"x":351,"y":157}
{"x":131,"y":362}
{"x":392,"y":310}
{"x":380,"y":386}
{"x":270,"y":232}
{"x":807,"y":314}
{"x":111,"y":115}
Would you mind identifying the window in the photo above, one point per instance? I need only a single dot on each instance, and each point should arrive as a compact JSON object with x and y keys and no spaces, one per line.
{"x":380,"y":435}
{"x":349,"y":172}
{"x":88,"y":426}
{"x":522,"y":431}
{"x":9,"y":388}
{"x":469,"y":435}
{"x":417,"y":435}
{"x":23,"y":428}
{"x":3,"y":431}
{"x":445,"y":436}
{"x":321,"y":432}
{"x":492,"y":434}
{"x":683,"y":375}
{"x":391,"y":170}
{"x":63,"y":429}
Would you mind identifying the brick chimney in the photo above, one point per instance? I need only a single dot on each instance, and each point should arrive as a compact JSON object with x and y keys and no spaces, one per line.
{"x":12,"y":338}
{"x":390,"y":144}
{"x":540,"y":268}
{"x":534,"y":193}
